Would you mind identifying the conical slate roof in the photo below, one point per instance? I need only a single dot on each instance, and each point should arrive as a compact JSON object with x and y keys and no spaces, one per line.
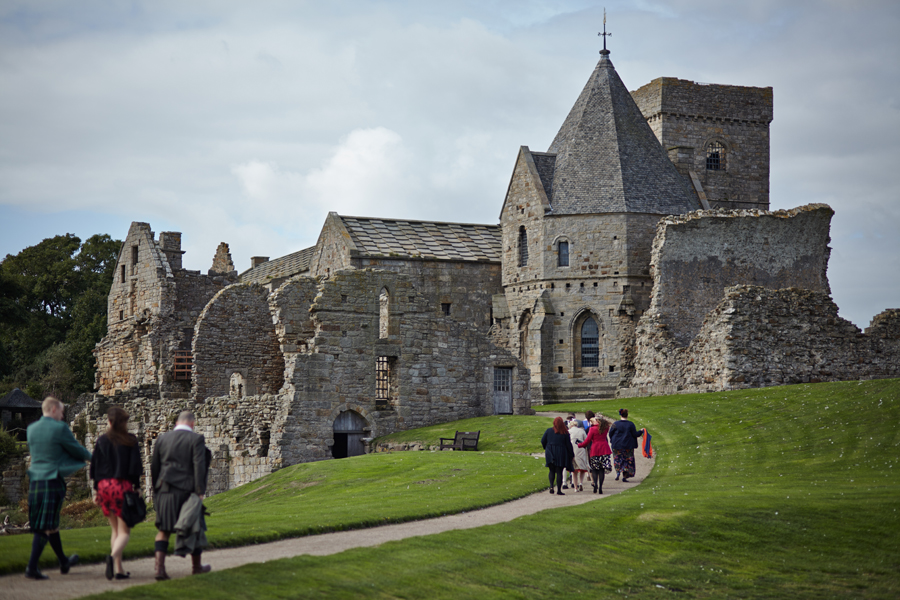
{"x":18,"y":399}
{"x":607,"y":158}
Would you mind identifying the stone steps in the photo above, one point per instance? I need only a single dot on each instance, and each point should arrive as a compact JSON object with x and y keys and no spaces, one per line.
{"x":575,"y":391}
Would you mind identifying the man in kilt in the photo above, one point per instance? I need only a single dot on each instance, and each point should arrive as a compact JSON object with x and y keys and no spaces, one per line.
{"x":178,"y":468}
{"x":55,"y":454}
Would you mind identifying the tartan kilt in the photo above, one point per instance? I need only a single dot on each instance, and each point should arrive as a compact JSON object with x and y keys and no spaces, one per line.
{"x":45,"y":500}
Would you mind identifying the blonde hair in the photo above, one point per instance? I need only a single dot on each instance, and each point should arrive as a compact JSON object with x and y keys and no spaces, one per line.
{"x":49,"y":404}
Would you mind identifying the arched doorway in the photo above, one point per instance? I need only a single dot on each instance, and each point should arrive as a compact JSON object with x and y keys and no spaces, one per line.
{"x":349,"y":431}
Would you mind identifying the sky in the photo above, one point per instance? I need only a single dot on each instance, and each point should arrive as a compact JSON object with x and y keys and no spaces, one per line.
{"x":248,"y":122}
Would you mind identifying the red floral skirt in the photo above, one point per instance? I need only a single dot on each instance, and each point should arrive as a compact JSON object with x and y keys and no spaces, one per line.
{"x":110,"y":493}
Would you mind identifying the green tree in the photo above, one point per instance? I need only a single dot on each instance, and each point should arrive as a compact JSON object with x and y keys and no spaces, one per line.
{"x":53,"y":312}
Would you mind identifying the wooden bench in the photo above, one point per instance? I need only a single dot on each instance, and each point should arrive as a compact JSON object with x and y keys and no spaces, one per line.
{"x":463,"y":440}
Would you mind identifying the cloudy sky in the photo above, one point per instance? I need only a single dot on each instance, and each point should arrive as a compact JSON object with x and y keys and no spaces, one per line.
{"x":247,"y":122}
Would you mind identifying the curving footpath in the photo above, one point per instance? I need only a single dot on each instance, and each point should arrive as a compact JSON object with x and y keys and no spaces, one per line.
{"x":84,"y":580}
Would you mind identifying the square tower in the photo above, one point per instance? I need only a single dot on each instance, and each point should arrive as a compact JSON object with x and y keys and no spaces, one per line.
{"x":716,"y":135}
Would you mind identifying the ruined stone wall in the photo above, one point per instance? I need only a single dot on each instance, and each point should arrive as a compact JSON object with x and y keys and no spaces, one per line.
{"x":235,"y":346}
{"x":153,"y":307}
{"x":467,"y":287}
{"x":686,"y":116}
{"x":441,"y":370}
{"x":244,"y":434}
{"x":757,"y":337}
{"x":698,"y":255}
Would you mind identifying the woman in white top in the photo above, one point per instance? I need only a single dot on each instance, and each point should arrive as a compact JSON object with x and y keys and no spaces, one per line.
{"x":577,"y":435}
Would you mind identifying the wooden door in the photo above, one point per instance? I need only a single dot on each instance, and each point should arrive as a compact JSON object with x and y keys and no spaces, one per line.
{"x":503,"y":390}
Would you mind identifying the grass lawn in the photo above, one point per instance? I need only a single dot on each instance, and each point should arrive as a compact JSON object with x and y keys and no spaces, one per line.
{"x":327,"y":496}
{"x":787,"y":492}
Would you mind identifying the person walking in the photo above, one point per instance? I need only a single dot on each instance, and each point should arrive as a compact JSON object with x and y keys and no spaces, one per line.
{"x":558,"y":453}
{"x":115,"y":469}
{"x":580,"y":462}
{"x":55,"y":454}
{"x":623,"y":438}
{"x":599,"y":451}
{"x":178,"y":470}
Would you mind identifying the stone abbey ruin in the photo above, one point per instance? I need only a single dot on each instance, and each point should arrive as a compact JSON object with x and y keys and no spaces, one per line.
{"x":635,"y":256}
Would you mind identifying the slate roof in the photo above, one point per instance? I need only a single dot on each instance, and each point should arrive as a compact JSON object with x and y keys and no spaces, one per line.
{"x":18,"y":399}
{"x":609,"y":160}
{"x":279,"y":268}
{"x":424,"y":239}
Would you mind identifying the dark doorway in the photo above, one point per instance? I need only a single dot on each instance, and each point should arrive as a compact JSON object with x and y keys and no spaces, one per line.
{"x":348,"y":435}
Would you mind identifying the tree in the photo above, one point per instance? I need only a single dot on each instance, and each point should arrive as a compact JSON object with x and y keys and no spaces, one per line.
{"x":53,"y":312}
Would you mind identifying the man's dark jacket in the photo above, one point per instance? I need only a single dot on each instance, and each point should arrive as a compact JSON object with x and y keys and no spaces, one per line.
{"x":181,"y":460}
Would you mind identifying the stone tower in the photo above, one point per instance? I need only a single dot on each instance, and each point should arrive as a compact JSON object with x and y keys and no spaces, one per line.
{"x":716,"y":135}
{"x":577,"y":226}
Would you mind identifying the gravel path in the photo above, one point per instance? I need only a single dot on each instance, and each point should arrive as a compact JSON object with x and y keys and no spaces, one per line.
{"x":83,"y":580}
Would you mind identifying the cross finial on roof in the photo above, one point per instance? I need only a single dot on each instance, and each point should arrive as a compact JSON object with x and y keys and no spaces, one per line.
{"x":604,"y":52}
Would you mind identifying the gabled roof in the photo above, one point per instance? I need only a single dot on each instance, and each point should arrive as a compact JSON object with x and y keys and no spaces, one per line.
{"x":279,"y":268}
{"x":18,"y":399}
{"x":608,"y":159}
{"x":424,"y":239}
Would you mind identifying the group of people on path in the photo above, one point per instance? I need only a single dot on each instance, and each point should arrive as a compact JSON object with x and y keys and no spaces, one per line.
{"x":582,"y":446}
{"x":179,"y":467}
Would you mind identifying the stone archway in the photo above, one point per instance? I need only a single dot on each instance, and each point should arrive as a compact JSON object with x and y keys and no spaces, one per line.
{"x":349,"y":431}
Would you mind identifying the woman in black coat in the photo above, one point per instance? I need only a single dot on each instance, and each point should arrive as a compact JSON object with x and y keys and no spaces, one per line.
{"x":558,"y":452}
{"x":623,"y":437}
{"x":116,"y":468}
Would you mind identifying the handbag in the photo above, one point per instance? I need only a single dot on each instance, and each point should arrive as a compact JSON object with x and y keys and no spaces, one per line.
{"x":134,"y":509}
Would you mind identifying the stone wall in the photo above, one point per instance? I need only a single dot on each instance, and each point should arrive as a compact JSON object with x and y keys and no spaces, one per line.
{"x":153,"y":306}
{"x":696,"y":256}
{"x":687,"y":116}
{"x":235,"y":349}
{"x":757,"y":337}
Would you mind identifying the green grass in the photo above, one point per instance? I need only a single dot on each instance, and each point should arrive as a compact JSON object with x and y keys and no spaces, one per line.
{"x":509,"y":433}
{"x":312,"y":498}
{"x":788,"y":492}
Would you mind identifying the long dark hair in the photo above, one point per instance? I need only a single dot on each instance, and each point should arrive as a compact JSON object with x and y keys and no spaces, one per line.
{"x":118,"y":427}
{"x":559,"y":426}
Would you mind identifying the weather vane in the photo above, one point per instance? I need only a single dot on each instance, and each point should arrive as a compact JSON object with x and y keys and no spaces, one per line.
{"x":604,"y":34}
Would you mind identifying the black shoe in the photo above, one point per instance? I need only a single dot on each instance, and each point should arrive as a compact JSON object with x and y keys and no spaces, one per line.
{"x":624,"y":480}
{"x":123,"y":575}
{"x":559,"y":493}
{"x":35,"y":575}
{"x":551,"y":491}
{"x":110,"y":567}
{"x":70,"y":562}
{"x":565,"y":487}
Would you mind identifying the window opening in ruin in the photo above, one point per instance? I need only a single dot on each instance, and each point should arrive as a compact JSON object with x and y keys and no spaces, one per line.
{"x":590,"y":344}
{"x":134,"y":260}
{"x":715,"y":156}
{"x":121,"y":315}
{"x":123,"y":273}
{"x":560,"y":370}
{"x":523,"y":246}
{"x":563,"y":254}
{"x":445,"y":308}
{"x":595,"y":284}
{"x":384,"y":303}
{"x":183,"y":363}
{"x":383,"y":380}
{"x":612,"y":368}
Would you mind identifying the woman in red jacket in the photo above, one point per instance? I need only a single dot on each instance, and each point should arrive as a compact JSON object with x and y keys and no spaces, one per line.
{"x":600,"y":451}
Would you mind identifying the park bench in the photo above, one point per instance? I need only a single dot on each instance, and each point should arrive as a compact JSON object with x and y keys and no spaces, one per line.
{"x":463,"y":440}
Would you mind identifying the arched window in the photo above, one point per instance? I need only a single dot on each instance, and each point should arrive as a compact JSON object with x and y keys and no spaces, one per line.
{"x":590,"y":344}
{"x":523,"y":246}
{"x":563,"y":254}
{"x":715,"y":157}
{"x":384,"y":302}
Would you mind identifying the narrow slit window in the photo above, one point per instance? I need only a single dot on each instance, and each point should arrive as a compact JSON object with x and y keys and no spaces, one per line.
{"x":563,"y":254}
{"x":445,"y":308}
{"x":523,"y":247}
{"x":382,"y":382}
{"x":384,"y":302}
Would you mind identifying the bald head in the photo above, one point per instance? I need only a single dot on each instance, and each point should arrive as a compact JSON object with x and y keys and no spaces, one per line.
{"x":53,"y":408}
{"x":186,"y":417}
